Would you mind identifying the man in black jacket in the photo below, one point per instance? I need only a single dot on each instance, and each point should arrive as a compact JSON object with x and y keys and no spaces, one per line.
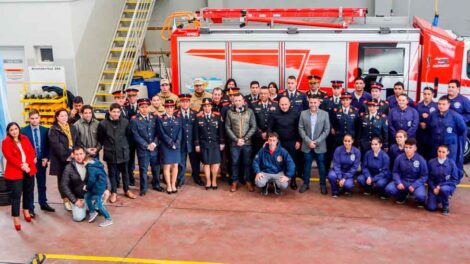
{"x":285,"y":122}
{"x":114,"y":135}
{"x":73,"y":183}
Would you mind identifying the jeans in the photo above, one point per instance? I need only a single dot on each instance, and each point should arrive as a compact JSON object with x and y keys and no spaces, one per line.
{"x":97,"y":198}
{"x":20,"y":187}
{"x":269,"y":177}
{"x":242,"y":153}
{"x":308,"y":159}
{"x":41,"y":183}
{"x":113,"y":170}
{"x":145,"y":159}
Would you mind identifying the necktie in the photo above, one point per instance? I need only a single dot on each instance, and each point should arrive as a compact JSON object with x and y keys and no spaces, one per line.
{"x":36,"y":141}
{"x":336,"y":100}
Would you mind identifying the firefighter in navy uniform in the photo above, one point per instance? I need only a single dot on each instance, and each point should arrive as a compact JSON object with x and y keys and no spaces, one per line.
{"x":253,"y":97}
{"x":344,"y":119}
{"x":144,"y":132}
{"x":375,"y":91}
{"x":263,"y":109}
{"x":188,"y":118}
{"x":298,"y":100}
{"x":209,"y":141}
{"x":372,"y":124}
{"x":314,"y":87}
{"x":334,"y":101}
{"x":221,"y":105}
{"x":131,"y":110}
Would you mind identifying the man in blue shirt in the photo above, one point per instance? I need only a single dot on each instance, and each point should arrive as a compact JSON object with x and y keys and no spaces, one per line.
{"x":37,"y":134}
{"x":359,"y":95}
{"x":458,"y":102}
{"x":403,"y":117}
{"x":273,"y":164}
{"x":410,"y":173}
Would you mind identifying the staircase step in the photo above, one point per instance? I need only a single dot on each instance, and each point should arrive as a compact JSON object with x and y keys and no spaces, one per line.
{"x":113,"y":71}
{"x":135,"y":20}
{"x":135,"y":2}
{"x":104,"y":94}
{"x":125,"y":29}
{"x":109,"y":82}
{"x":117,"y":60}
{"x":135,"y":11}
{"x":124,"y":39}
{"x":121,"y":49}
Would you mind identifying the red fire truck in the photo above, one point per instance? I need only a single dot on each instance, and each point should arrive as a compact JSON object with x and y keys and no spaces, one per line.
{"x":335,"y":43}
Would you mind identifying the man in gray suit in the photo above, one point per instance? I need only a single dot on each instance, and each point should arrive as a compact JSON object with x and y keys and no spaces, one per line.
{"x":314,"y":127}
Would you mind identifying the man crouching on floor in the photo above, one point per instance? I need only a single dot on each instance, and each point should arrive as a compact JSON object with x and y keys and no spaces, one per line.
{"x":273,"y":164}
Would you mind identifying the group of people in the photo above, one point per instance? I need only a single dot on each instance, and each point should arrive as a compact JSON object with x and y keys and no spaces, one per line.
{"x":267,"y":139}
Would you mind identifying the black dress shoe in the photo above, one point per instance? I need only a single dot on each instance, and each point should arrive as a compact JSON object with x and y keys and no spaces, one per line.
{"x":445,"y":211}
{"x":142,"y":193}
{"x":323,"y":190}
{"x":175,"y":191}
{"x":199,"y":182}
{"x":132,"y":184}
{"x":32,"y":214}
{"x":47,"y":208}
{"x":158,"y":188}
{"x":208,"y":187}
{"x":214,"y":187}
{"x":303,"y":188}
{"x":179,"y":185}
{"x":293,"y":185}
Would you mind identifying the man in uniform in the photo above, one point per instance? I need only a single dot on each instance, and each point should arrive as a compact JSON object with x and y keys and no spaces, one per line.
{"x":146,"y":141}
{"x":314,"y":87}
{"x":372,"y":124}
{"x":253,"y":97}
{"x":298,"y":100}
{"x":131,"y":109}
{"x":165,"y":93}
{"x":328,"y":105}
{"x":263,"y":109}
{"x":398,"y":89}
{"x":199,"y":94}
{"x":222,"y":105}
{"x":448,"y":128}
{"x":188,"y":118}
{"x":458,"y":102}
{"x":359,"y":95}
{"x":403,"y":117}
{"x":375,"y":91}
{"x":120,"y":99}
{"x":344,"y":119}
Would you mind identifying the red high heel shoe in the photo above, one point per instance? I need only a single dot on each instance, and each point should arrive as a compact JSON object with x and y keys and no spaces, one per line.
{"x":18,"y":227}
{"x":28,"y":218}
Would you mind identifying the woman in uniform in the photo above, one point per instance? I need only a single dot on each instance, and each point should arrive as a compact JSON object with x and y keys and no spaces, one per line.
{"x":209,"y":141}
{"x":170,"y":133}
{"x":346,"y":160}
{"x":375,"y":169}
{"x":399,"y":147}
{"x":273,"y":91}
{"x":425,"y":108}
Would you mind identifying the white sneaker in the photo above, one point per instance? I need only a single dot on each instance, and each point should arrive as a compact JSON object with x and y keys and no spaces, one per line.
{"x":106,"y":223}
{"x":93,"y":217}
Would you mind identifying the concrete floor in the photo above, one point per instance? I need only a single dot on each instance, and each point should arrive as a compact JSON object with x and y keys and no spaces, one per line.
{"x":218,"y":226}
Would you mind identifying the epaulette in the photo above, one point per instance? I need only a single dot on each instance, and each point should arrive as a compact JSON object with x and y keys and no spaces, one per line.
{"x":200,"y":114}
{"x":216,"y":113}
{"x":225,"y":103}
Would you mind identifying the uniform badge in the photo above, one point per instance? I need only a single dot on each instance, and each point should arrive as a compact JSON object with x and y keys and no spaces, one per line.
{"x":432,"y":109}
{"x":279,"y":158}
{"x":447,"y":177}
{"x":457,"y":105}
{"x":353,"y":157}
{"x":409,"y":123}
{"x":416,"y":163}
{"x":449,"y":130}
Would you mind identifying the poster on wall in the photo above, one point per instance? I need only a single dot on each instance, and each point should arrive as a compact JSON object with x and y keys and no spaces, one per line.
{"x":4,"y":115}
{"x":14,"y":71}
{"x":46,"y":75}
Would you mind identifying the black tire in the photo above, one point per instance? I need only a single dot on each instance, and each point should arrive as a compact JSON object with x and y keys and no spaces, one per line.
{"x":4,"y":198}
{"x":466,"y":150}
{"x":3,"y":185}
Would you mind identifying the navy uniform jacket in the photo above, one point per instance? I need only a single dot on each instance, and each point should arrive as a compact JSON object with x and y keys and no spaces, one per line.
{"x":461,"y":105}
{"x":369,"y":129}
{"x":394,"y":152}
{"x":144,"y":132}
{"x":298,"y":101}
{"x":344,"y":123}
{"x":412,"y":171}
{"x":407,"y":120}
{"x":425,"y":134}
{"x":250,"y":100}
{"x":376,"y":167}
{"x":262,"y":115}
{"x":169,"y":131}
{"x":208,"y":132}
{"x":392,"y":102}
{"x":279,"y":161}
{"x":222,"y":107}
{"x":359,"y":102}
{"x":442,"y":174}
{"x":43,"y":141}
{"x":187,"y":125}
{"x":319,"y":92}
{"x":130,"y":113}
{"x":345,"y":164}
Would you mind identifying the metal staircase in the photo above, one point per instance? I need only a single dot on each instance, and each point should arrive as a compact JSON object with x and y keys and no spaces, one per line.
{"x":124,"y":52}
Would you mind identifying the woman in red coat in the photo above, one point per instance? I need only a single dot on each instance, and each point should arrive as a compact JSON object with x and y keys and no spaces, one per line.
{"x":19,"y":171}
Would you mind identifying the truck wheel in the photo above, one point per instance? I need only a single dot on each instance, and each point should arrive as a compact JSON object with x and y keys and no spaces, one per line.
{"x":4,"y":198}
{"x":466,"y":152}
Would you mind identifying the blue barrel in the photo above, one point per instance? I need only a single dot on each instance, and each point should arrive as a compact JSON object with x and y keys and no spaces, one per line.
{"x":137,"y":80}
{"x":153,"y":86}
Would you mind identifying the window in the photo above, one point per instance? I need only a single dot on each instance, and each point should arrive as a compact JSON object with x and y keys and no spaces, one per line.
{"x":381,"y":59}
{"x":44,"y":55}
{"x":468,"y":63}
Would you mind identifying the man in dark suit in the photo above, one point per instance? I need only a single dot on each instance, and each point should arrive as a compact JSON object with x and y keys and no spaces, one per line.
{"x":131,"y":110}
{"x":37,"y":134}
